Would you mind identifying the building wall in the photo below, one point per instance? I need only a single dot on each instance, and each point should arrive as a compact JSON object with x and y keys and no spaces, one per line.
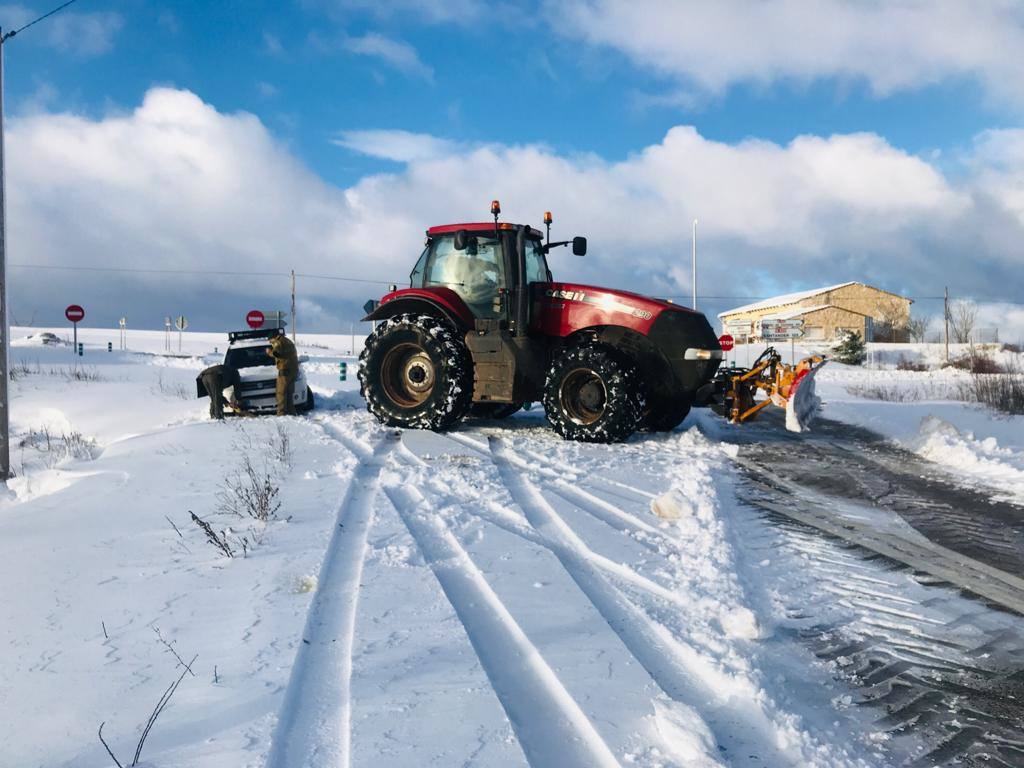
{"x":857,"y":298}
{"x":825,"y":324}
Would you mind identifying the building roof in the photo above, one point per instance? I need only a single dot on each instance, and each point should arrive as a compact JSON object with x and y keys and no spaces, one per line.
{"x":793,"y":298}
{"x":787,"y":298}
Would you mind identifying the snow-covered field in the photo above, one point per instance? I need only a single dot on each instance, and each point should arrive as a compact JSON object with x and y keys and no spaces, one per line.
{"x":491,"y":597}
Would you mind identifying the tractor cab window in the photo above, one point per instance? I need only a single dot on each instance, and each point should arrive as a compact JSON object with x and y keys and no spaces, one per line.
{"x":416,"y":276}
{"x":536,"y":264}
{"x":475,"y":273}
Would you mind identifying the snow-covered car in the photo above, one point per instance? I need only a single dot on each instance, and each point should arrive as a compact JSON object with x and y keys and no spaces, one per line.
{"x":256,"y":392}
{"x":45,"y":338}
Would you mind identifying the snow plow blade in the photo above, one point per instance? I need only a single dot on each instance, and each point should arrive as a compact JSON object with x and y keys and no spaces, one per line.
{"x":803,"y":403}
{"x":787,"y":386}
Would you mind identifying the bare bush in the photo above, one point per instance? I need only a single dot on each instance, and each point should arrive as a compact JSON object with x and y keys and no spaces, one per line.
{"x":173,"y":388}
{"x":161,"y":704}
{"x":910,"y":365}
{"x":54,"y":448}
{"x":219,"y":539}
{"x":249,"y":492}
{"x":975,"y":363}
{"x":902,"y":393}
{"x":21,"y":369}
{"x":77,"y":373}
{"x":283,"y":446}
{"x":1000,"y":391}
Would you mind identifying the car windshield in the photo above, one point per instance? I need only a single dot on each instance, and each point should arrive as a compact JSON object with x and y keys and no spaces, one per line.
{"x":247,"y":357}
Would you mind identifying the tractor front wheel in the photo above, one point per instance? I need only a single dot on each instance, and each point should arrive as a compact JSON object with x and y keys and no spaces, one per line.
{"x":591,"y":395}
{"x":416,"y":372}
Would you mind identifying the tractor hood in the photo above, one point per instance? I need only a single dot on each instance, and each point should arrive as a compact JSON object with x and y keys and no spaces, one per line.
{"x":568,"y":307}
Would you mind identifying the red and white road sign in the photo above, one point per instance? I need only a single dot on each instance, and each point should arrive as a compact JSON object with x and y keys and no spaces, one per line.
{"x":725,"y":341}
{"x":255,"y":319}
{"x":74,"y":313}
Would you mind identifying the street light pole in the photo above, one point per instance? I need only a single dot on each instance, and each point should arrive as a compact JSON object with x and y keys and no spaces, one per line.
{"x":694,"y":264}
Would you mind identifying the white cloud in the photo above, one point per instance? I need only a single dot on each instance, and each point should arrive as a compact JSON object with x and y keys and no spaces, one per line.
{"x":395,"y":53}
{"x":177,"y":184}
{"x":81,"y":34}
{"x":893,"y":45}
{"x":399,"y":146}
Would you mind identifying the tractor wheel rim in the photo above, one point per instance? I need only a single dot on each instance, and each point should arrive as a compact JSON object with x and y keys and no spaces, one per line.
{"x":583,"y":396}
{"x":407,"y":373}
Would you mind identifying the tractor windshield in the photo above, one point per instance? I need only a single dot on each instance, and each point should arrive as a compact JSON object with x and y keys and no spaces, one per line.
{"x":475,"y":273}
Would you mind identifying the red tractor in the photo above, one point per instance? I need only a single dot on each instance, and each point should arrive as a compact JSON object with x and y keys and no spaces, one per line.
{"x":484,"y":328}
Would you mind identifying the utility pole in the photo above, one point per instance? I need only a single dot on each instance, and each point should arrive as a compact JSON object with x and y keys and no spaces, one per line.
{"x":694,"y":264}
{"x":945,"y":312}
{"x":5,"y":416}
{"x":293,"y":306}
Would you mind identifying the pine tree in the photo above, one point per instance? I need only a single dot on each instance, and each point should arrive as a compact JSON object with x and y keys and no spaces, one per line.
{"x":850,"y":348}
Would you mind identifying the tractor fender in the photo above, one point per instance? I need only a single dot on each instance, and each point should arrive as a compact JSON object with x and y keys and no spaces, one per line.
{"x":436,"y":302}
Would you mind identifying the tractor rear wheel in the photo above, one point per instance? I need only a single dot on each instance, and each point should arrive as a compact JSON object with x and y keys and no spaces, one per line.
{"x":416,"y":372}
{"x":591,"y":395}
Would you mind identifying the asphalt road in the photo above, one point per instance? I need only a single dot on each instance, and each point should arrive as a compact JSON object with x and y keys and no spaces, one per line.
{"x":942,"y":669}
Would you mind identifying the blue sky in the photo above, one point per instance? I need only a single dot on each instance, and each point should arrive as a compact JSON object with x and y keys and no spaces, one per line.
{"x":573,"y":95}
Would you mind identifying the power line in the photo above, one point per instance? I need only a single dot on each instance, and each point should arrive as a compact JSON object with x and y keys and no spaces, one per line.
{"x":347,"y":279}
{"x":223,"y":272}
{"x":36,"y":21}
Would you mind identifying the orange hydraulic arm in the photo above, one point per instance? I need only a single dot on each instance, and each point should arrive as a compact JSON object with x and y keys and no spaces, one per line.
{"x":769,"y":374}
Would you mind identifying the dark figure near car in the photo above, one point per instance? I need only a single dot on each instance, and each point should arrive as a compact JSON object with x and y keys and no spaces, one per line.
{"x":212,"y":382}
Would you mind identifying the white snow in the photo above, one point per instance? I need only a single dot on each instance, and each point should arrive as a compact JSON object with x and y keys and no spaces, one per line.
{"x":494,"y":596}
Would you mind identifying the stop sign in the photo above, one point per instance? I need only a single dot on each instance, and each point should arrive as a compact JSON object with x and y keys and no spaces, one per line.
{"x":74,"y":313}
{"x":725,"y":341}
{"x":255,"y":318}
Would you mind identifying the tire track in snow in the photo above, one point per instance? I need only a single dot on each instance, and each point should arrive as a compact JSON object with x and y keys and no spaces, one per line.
{"x":509,"y":521}
{"x":737,"y":720}
{"x":551,"y":728}
{"x":314,"y":723}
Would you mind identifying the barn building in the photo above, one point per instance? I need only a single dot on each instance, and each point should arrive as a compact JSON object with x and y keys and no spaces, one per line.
{"x":876,"y":314}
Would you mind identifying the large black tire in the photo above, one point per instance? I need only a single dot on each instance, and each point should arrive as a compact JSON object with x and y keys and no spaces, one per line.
{"x":416,"y":372}
{"x":591,"y":395}
{"x":664,"y":417}
{"x":493,"y":410}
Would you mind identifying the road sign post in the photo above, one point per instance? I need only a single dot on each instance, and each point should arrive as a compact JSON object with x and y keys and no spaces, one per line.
{"x":75,"y":314}
{"x":123,"y":322}
{"x":181,"y":323}
{"x":255,"y":319}
{"x":167,"y":333}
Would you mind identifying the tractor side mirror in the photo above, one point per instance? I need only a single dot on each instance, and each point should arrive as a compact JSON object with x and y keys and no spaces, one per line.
{"x":461,"y":240}
{"x":579,"y":246}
